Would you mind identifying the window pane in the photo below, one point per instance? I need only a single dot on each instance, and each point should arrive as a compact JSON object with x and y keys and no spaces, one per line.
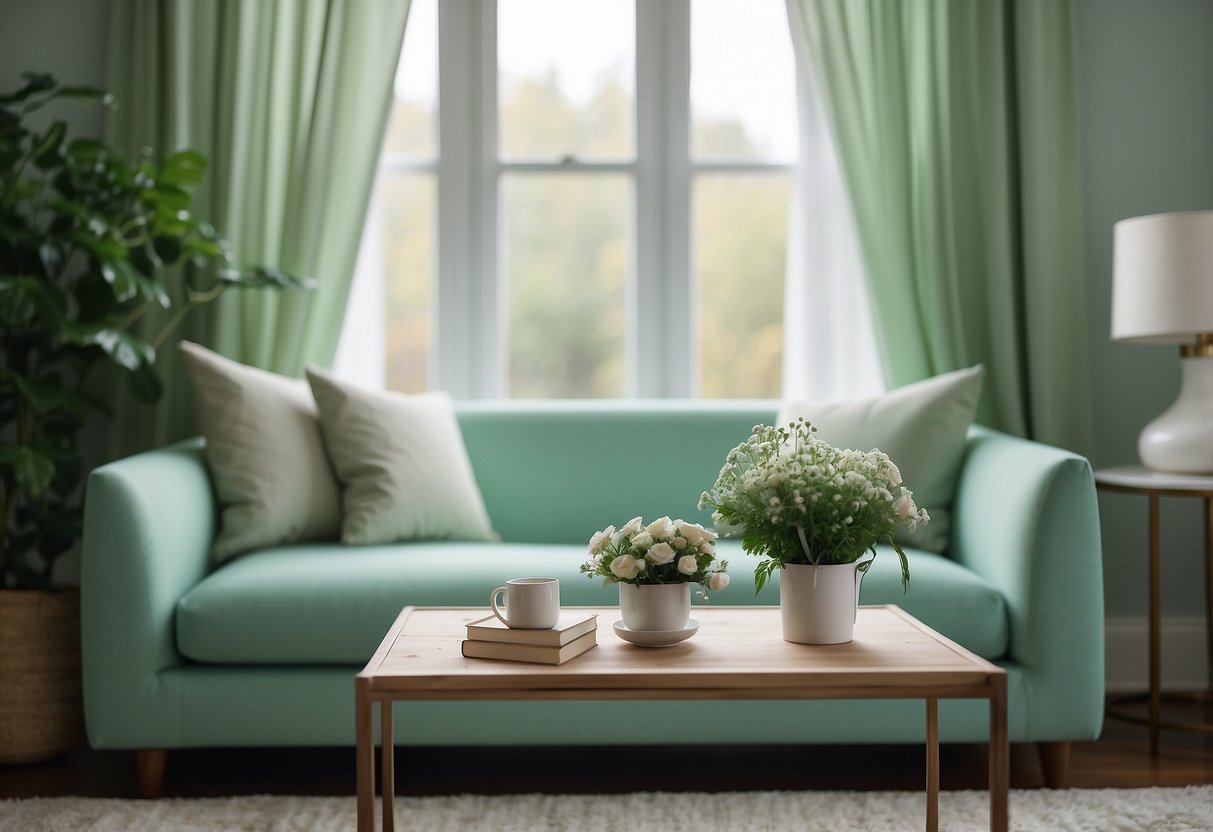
{"x":740,"y":251}
{"x":567,"y":256}
{"x":743,"y":81}
{"x":412,"y":130}
{"x":566,"y":78}
{"x":407,"y":207}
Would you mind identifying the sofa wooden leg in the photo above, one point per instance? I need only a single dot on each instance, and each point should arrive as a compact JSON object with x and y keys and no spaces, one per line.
{"x":149,"y":769}
{"x":1054,"y":758}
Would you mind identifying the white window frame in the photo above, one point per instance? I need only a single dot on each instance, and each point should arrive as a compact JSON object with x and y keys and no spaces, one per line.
{"x":469,"y":355}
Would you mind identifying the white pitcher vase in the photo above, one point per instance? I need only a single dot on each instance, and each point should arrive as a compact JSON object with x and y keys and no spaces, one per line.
{"x":818,"y":603}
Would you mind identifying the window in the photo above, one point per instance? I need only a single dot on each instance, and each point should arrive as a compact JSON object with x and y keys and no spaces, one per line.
{"x":581,"y":200}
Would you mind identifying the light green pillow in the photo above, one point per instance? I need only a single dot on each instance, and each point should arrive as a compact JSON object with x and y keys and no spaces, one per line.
{"x":402,"y":464}
{"x":265,"y":454}
{"x":922,"y":427}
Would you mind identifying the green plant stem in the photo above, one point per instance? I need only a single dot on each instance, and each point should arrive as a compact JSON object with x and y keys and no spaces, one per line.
{"x":134,"y":316}
{"x":194,"y":299}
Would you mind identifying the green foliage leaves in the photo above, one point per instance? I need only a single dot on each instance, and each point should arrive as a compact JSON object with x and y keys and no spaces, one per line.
{"x":89,"y":240}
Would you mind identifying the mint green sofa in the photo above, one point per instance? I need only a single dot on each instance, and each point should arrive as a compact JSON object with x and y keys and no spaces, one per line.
{"x":262,"y":651}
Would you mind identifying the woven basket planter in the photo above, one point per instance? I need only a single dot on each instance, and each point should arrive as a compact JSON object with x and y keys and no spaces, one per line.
{"x":40,"y":707}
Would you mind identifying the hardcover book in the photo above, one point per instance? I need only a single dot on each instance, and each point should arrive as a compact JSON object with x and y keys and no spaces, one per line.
{"x":534,"y":653}
{"x":571,"y":625}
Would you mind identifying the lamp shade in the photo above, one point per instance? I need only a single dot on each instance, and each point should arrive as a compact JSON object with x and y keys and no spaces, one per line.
{"x":1162,"y":280}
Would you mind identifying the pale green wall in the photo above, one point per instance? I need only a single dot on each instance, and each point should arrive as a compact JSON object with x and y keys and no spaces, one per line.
{"x":1146,"y":117}
{"x":64,"y":37}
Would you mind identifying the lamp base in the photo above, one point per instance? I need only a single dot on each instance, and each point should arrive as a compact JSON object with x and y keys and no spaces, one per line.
{"x":1180,"y":441}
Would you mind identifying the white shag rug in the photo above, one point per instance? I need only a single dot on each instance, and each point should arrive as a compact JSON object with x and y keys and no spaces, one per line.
{"x":1075,"y":810}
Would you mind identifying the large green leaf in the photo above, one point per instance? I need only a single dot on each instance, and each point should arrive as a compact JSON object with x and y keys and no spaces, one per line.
{"x":146,"y":383}
{"x":32,"y":469}
{"x":51,"y":256}
{"x":124,"y":349}
{"x":151,"y":289}
{"x":260,"y":277}
{"x":186,"y":167}
{"x":42,"y":397}
{"x":120,"y":275}
{"x":168,"y":249}
{"x":35,"y":82}
{"x":24,"y":299}
{"x":50,"y":147}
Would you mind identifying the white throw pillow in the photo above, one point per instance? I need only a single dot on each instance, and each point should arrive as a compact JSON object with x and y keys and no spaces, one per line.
{"x":922,"y":427}
{"x":265,"y":454}
{"x":402,"y":464}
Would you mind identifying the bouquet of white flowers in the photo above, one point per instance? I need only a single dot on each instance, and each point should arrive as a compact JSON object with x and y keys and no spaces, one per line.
{"x":663,"y":552}
{"x":800,"y":500}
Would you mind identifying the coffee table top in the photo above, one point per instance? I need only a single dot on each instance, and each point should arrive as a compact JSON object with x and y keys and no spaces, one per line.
{"x":738,"y":653}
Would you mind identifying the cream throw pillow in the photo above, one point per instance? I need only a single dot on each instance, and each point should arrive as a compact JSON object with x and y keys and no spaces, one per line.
{"x":265,"y":453}
{"x":922,"y":427}
{"x":402,"y":463}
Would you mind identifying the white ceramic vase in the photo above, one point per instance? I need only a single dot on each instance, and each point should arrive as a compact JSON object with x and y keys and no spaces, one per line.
{"x":655,"y":607}
{"x":818,"y":603}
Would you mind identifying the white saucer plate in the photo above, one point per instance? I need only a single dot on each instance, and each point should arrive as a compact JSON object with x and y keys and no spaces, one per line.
{"x":656,"y":638}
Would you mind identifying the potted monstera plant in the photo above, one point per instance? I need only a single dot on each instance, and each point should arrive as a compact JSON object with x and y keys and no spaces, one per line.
{"x":90,"y":240}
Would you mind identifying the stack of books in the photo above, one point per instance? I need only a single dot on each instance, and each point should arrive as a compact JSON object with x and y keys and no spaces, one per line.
{"x":573,"y":634}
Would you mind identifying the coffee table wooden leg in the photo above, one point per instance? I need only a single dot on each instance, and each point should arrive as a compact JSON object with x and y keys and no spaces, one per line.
{"x":932,"y":765}
{"x":388,"y":767}
{"x":1000,"y":756}
{"x":365,"y":755}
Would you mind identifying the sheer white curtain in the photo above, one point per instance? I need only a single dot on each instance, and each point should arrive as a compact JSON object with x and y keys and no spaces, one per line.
{"x":829,"y":342}
{"x":360,"y":354}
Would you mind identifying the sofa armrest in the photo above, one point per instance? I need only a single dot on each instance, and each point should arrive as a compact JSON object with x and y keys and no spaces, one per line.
{"x":1027,"y":520}
{"x":148,"y":525}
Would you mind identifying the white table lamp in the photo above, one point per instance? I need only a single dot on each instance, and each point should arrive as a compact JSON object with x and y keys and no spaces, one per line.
{"x":1162,"y":293}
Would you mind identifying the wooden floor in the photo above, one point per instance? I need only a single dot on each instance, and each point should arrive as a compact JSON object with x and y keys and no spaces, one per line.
{"x":1119,"y":759}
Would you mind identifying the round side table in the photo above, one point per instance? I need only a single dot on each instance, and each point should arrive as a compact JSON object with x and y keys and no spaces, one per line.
{"x":1139,"y":480}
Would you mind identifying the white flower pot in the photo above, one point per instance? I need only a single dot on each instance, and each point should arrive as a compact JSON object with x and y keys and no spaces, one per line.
{"x":818,"y":603}
{"x":661,"y":607}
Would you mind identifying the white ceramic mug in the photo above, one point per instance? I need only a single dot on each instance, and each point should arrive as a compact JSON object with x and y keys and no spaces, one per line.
{"x":530,"y":603}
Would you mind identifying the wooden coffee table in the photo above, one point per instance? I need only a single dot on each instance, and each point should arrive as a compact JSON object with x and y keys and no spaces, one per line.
{"x":737,"y":654}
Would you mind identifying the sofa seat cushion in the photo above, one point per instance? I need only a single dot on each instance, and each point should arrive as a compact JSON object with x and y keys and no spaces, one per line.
{"x":332,"y":604}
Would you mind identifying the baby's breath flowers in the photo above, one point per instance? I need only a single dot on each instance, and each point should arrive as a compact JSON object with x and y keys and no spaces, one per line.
{"x":663,"y":552}
{"x":798,"y":499}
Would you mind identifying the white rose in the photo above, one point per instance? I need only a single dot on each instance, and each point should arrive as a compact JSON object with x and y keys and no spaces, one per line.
{"x":600,"y":539}
{"x":606,"y":582}
{"x":694,"y":533}
{"x":661,"y":554}
{"x":718,"y":581}
{"x":632,"y":526}
{"x":625,"y":567}
{"x":661,"y":527}
{"x":680,"y":543}
{"x":707,"y":547}
{"x":905,"y":507}
{"x":686,"y":565}
{"x":642,"y":540}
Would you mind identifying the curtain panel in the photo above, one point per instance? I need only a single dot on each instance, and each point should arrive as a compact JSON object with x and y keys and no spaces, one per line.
{"x":288,"y":100}
{"x":956,"y":125}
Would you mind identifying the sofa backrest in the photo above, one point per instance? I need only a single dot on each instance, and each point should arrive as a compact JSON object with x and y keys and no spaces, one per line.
{"x":556,"y":472}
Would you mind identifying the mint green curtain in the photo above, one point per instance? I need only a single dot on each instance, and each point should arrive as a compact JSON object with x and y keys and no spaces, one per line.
{"x":288,"y":100}
{"x":956,"y":125}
